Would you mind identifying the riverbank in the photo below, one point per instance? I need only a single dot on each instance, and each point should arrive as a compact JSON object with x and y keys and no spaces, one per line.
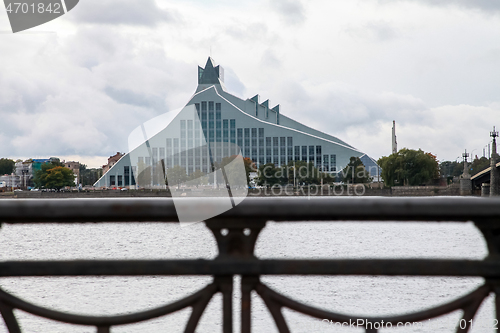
{"x":339,"y":190}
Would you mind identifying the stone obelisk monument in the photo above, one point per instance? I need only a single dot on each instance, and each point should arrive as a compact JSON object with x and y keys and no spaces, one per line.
{"x":394,"y":142}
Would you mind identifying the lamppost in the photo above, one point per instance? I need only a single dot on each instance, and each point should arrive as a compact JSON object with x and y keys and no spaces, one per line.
{"x":466,"y":169}
{"x":465,"y":181}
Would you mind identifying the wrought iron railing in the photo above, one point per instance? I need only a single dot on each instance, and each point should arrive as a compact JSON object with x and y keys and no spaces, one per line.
{"x":236,"y":232}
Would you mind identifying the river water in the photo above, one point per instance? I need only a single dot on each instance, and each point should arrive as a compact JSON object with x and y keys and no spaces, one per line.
{"x":363,"y":296}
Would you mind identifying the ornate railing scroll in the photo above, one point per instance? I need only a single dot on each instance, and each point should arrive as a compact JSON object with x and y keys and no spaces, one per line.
{"x":236,"y":232}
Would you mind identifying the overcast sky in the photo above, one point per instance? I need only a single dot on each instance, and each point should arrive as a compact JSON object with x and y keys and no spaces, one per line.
{"x":77,"y":86}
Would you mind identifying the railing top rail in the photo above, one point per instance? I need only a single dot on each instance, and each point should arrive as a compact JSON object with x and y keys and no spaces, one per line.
{"x":270,"y":208}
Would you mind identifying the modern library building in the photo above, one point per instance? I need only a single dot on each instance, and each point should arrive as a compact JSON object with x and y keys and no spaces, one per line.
{"x":215,"y":124}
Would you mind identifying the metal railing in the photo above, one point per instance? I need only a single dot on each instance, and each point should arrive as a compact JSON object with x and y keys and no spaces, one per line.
{"x":236,"y":233}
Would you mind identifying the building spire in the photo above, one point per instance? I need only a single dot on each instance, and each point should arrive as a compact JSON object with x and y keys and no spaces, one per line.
{"x":211,"y":74}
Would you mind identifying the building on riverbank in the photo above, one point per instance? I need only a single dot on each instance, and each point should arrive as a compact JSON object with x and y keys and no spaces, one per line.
{"x":223,"y":121}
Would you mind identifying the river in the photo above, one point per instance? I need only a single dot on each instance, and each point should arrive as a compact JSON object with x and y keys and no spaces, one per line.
{"x":363,"y":296}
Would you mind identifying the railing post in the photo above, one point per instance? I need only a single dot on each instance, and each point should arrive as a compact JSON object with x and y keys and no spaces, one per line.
{"x":248,"y":284}
{"x":225,"y":285}
{"x":236,"y":240}
{"x":490,"y":228}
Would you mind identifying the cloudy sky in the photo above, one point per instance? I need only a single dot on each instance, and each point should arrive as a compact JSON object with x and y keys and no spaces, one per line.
{"x":77,"y":86}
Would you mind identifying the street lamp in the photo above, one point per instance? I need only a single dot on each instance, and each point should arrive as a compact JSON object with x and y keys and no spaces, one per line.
{"x":465,"y":155}
{"x":472,"y":154}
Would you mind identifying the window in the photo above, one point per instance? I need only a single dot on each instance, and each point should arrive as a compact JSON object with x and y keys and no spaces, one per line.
{"x":275,"y":142}
{"x":112,"y":180}
{"x":225,"y":126}
{"x":197,"y":107}
{"x":247,"y":137}
{"x":126,"y":175}
{"x":155,"y":155}
{"x":318,"y":150}
{"x":232,"y":123}
{"x":240,"y":137}
{"x":297,"y":153}
{"x":304,"y":153}
{"x":268,"y":142}
{"x":282,"y":141}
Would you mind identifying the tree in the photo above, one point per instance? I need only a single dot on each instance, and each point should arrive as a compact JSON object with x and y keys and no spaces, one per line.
{"x":479,"y":164}
{"x":89,"y":176}
{"x":355,"y":172}
{"x":6,"y":166}
{"x":408,"y":167}
{"x":176,"y":175}
{"x":54,"y":176}
{"x":196,"y":178}
{"x":450,"y":169}
{"x":270,"y":175}
{"x":305,"y":173}
{"x":248,"y":163}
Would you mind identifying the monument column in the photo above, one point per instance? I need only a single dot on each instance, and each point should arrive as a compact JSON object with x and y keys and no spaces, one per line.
{"x":494,"y":191}
{"x":465,"y":181}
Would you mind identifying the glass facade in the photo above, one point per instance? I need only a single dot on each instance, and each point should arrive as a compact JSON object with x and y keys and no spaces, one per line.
{"x":215,"y":126}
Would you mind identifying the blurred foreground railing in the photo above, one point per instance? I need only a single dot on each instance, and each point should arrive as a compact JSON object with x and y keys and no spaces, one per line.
{"x":236,"y":232}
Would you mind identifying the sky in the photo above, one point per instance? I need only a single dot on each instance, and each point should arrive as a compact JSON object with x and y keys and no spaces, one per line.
{"x":77,"y":86}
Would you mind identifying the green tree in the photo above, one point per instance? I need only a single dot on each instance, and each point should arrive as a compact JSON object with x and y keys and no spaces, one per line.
{"x":270,"y":175}
{"x":408,"y":167}
{"x":450,"y":169}
{"x":305,"y":173}
{"x":196,"y":178}
{"x":176,"y":175}
{"x":247,"y":162}
{"x":6,"y":166}
{"x":54,"y":176}
{"x":89,"y":176}
{"x":355,"y":172}
{"x":479,"y":164}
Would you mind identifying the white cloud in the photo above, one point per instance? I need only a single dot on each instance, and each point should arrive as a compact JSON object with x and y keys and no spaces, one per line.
{"x":346,"y":68}
{"x":123,"y":12}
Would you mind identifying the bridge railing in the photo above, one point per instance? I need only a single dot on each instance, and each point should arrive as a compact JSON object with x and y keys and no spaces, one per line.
{"x":236,"y":232}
